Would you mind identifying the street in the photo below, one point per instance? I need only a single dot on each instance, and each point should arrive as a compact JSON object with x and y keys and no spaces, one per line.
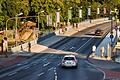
{"x":59,"y":39}
{"x":48,"y":66}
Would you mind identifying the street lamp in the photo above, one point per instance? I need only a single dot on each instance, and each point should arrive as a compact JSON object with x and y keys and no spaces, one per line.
{"x":116,"y":27}
{"x":69,"y":15}
{"x":58,"y":18}
{"x":80,"y":13}
{"x":6,"y":25}
{"x":39,"y":19}
{"x":111,"y":33}
{"x":16,"y":17}
{"x":89,"y":12}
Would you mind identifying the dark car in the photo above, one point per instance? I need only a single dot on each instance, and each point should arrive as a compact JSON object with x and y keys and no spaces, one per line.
{"x":98,"y":32}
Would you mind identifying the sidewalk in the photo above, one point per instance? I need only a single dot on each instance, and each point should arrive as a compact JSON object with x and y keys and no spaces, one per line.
{"x":47,"y":42}
{"x":82,"y":26}
{"x":107,"y":48}
{"x":111,"y":69}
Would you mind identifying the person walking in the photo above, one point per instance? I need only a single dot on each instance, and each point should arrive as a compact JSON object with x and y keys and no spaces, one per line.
{"x":21,"y":46}
{"x":93,"y":50}
{"x":5,"y":46}
{"x":102,"y":51}
{"x":29,"y":47}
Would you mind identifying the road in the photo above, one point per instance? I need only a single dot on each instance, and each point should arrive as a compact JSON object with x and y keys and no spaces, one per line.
{"x":47,"y":66}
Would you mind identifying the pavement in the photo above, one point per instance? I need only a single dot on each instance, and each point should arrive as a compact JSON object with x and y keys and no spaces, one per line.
{"x":43,"y":45}
{"x":110,"y":68}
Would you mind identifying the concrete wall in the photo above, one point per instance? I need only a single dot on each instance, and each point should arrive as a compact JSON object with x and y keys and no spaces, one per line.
{"x":25,"y":45}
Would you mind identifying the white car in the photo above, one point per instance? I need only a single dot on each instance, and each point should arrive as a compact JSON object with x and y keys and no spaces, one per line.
{"x":69,"y":61}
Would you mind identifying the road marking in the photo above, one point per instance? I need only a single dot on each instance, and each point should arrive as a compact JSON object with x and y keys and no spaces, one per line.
{"x":41,"y":74}
{"x":96,"y":68}
{"x":25,"y":63}
{"x":55,"y":77}
{"x":72,"y":48}
{"x":10,"y":74}
{"x":46,"y":64}
{"x":50,"y":69}
{"x":59,"y":64}
{"x":19,"y":64}
{"x":52,"y":55}
{"x":27,"y":67}
{"x":44,"y":59}
{"x":84,"y":44}
{"x":55,"y":72}
{"x":34,"y":63}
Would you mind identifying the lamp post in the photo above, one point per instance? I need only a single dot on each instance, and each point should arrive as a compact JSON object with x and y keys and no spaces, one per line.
{"x":69,"y":15}
{"x":16,"y":17}
{"x":39,"y":19}
{"x":89,"y":13}
{"x":80,"y":13}
{"x":6,"y":25}
{"x":58,"y":18}
{"x":116,"y":27}
{"x":111,"y":34}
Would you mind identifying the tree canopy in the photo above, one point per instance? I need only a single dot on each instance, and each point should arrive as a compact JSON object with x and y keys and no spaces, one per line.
{"x":10,"y":8}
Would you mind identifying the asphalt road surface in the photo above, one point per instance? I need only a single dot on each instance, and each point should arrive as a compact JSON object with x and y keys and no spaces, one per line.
{"x":47,"y":67}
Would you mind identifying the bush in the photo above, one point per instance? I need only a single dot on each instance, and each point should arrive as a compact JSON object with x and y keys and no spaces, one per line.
{"x":75,"y":20}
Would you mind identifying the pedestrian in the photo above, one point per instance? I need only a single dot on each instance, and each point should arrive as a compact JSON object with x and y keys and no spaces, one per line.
{"x":60,"y":30}
{"x":2,"y":46}
{"x":76,"y":25}
{"x":53,"y":28}
{"x":29,"y":47}
{"x":21,"y":46}
{"x":65,"y":28}
{"x":5,"y":46}
{"x":102,"y":51}
{"x":93,"y":50}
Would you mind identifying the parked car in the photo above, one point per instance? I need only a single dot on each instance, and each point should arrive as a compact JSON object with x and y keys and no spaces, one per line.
{"x":98,"y":32}
{"x":69,"y":61}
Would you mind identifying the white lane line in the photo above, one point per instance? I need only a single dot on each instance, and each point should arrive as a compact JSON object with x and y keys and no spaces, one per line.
{"x":19,"y":64}
{"x":55,"y":72}
{"x":59,"y":64}
{"x":72,"y":48}
{"x":51,"y":55}
{"x":96,"y":68}
{"x":41,"y":74}
{"x":35,"y":63}
{"x":27,"y":67}
{"x":25,"y":63}
{"x":44,"y":59}
{"x":55,"y":77}
{"x":10,"y":74}
{"x":50,"y":69}
{"x":84,"y":44}
{"x":46,"y":64}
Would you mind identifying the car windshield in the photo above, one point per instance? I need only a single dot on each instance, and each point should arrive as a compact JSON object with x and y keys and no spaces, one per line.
{"x":98,"y":30}
{"x":69,"y":58}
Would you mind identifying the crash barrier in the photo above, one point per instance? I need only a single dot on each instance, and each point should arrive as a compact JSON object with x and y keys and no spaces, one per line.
{"x":19,"y":47}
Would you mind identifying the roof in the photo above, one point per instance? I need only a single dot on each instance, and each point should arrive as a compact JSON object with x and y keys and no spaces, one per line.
{"x":69,"y":56}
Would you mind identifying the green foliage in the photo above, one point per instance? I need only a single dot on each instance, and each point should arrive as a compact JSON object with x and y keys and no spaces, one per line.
{"x":10,"y":8}
{"x":75,"y":20}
